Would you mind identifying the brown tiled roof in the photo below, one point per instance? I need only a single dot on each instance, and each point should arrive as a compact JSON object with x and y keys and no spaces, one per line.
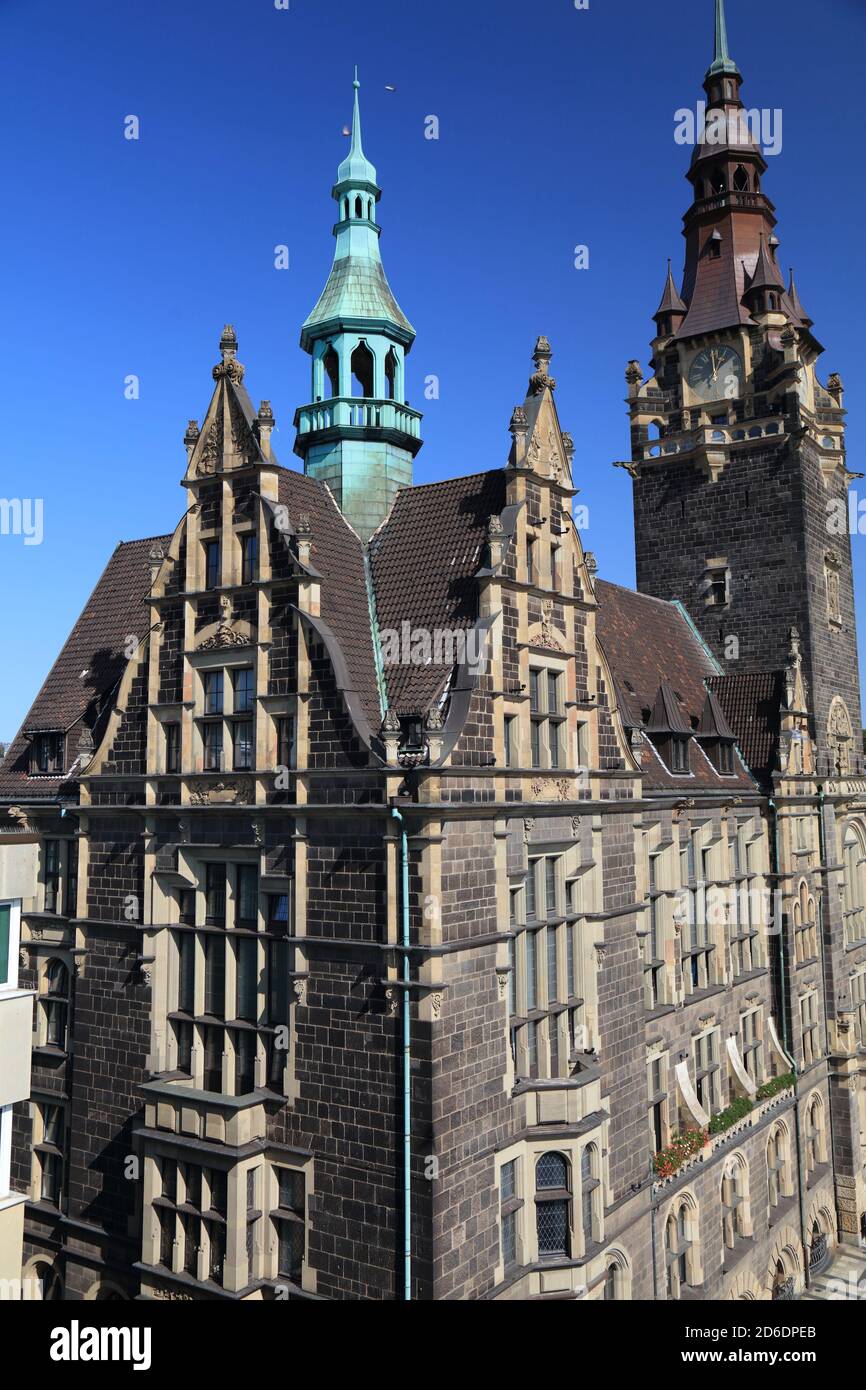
{"x":116,"y":609}
{"x":423,"y":559}
{"x":752,"y":706}
{"x":648,"y":641}
{"x":660,"y":663}
{"x":338,"y":556}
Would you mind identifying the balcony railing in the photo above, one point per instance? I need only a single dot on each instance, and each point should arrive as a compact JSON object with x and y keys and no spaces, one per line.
{"x":354,"y":413}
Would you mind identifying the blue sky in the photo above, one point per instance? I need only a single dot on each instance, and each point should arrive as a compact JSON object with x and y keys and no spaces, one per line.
{"x":556,"y":129}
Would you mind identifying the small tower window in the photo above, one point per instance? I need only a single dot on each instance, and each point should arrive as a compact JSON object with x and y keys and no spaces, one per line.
{"x":345,"y":209}
{"x":359,"y":208}
{"x":391,"y":374}
{"x":741,"y":179}
{"x":718,"y":181}
{"x":331,"y":363}
{"x":362,"y":371}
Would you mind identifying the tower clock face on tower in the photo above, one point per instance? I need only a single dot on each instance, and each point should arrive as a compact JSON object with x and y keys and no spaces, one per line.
{"x":716,"y":373}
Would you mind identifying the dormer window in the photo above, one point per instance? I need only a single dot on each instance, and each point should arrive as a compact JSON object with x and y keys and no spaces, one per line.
{"x":678,"y":756}
{"x":46,"y":755}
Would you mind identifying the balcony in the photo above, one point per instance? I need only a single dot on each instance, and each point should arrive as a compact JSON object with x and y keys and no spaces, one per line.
{"x":348,"y":412}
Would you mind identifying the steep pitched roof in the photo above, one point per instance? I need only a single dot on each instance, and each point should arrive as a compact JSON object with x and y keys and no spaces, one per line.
{"x":423,"y":559}
{"x":338,"y":556}
{"x":90,"y":663}
{"x":658,"y":660}
{"x":752,"y":706}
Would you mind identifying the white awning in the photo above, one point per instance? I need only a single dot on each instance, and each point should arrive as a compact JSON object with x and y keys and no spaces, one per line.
{"x":740,"y":1072}
{"x":687,"y":1091}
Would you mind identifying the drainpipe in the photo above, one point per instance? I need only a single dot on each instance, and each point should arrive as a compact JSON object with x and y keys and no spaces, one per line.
{"x":406,"y":1076}
{"x":825,"y":909}
{"x":786,"y":1044}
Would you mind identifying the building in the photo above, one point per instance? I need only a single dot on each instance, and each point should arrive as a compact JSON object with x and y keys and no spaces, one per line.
{"x":420,"y":915}
{"x":18,"y":873}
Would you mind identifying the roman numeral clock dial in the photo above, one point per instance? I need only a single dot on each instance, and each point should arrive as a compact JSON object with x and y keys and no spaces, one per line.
{"x":716,"y":373}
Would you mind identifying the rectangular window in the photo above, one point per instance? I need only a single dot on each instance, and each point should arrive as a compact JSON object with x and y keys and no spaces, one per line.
{"x":531,"y":913}
{"x":552,"y":971}
{"x":247,"y":896}
{"x":213,"y":692}
{"x":215,"y":976}
{"x":508,"y":1212}
{"x":247,"y":978}
{"x":707,"y":1081}
{"x":278,"y":912}
{"x":550,"y":894}
{"x":183,"y":1043}
{"x":71,"y":893}
{"x":249,"y":558}
{"x":172,"y":747}
{"x":286,"y":742}
{"x":215,"y":905}
{"x":244,"y":690}
{"x":530,"y":940}
{"x":289,"y":1220}
{"x":212,"y":565}
{"x":511,"y":740}
{"x":213,"y":747}
{"x":47,"y":754}
{"x":243,"y":744}
{"x":52,"y":875}
{"x":186,"y":973}
{"x":535,"y":692}
{"x":213,"y":1059}
{"x":245,"y":1062}
{"x":536,"y":728}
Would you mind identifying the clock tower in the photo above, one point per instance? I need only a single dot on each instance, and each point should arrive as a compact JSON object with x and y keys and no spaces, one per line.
{"x":738,"y":448}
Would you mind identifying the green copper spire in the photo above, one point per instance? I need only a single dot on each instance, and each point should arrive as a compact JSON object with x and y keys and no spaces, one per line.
{"x":358,"y":433}
{"x":356,"y":168}
{"x":722,"y":60}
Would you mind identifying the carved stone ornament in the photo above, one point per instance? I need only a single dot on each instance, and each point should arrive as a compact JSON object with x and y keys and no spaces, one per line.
{"x":634,"y":373}
{"x":502,"y":981}
{"x":575,"y":825}
{"x":600,"y":952}
{"x":299,"y":989}
{"x":211,"y":455}
{"x":393,"y":997}
{"x":225,"y":636}
{"x":549,"y":636}
{"x":541,"y":377}
{"x":551,"y":789}
{"x":434,"y":721}
{"x":528,"y":826}
{"x":436,"y":1004}
{"x":391,"y":723}
{"x":20,"y":817}
{"x":237,"y":791}
{"x":494,"y":526}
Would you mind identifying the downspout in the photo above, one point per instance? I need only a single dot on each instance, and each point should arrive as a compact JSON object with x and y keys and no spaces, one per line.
{"x":786,"y":1042}
{"x":406,"y":1076}
{"x":825,"y":908}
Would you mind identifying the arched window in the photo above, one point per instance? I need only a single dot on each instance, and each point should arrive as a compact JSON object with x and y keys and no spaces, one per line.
{"x":362,"y":371}
{"x":735,"y":1197}
{"x":55,"y":1003}
{"x":777,"y":1165}
{"x":552,"y":1203}
{"x":391,"y":374}
{"x":718,"y":181}
{"x":611,"y":1283}
{"x":840,"y":738}
{"x":331,"y":364}
{"x":819,"y":1249}
{"x":854,"y":910}
{"x":359,"y":207}
{"x":345,"y":209}
{"x":741,"y":179}
{"x":678,"y":1250}
{"x":805,"y":935}
{"x":814,"y":1134}
{"x":588,"y":1189}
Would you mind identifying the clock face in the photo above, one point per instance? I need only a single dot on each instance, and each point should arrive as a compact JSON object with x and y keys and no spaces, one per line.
{"x":716,"y":373}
